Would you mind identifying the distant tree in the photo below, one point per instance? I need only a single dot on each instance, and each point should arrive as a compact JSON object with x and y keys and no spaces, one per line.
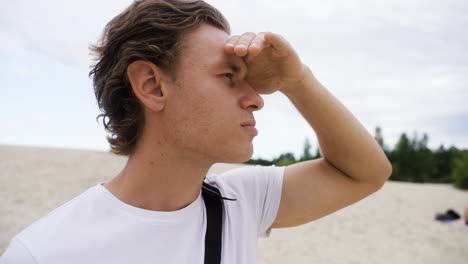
{"x":412,"y":160}
{"x":444,"y":160}
{"x":424,"y":164}
{"x":318,"y":154}
{"x":460,"y":171}
{"x":259,"y":162}
{"x":285,"y":159}
{"x":401,"y":159}
{"x":306,"y":155}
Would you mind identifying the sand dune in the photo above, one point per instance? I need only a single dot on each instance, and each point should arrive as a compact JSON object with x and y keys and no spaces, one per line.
{"x":394,"y":225}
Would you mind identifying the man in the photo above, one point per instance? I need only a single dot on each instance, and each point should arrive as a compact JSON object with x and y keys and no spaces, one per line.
{"x":178,"y":95}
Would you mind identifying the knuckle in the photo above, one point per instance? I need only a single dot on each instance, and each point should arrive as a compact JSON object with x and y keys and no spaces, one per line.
{"x":234,"y":38}
{"x":248,"y":35}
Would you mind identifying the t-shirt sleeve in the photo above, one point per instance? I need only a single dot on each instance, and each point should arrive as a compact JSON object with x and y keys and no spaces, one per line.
{"x":17,"y":253}
{"x":260,"y":188}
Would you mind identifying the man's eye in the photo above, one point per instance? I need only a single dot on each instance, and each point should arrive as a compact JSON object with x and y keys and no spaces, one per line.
{"x":228,"y":75}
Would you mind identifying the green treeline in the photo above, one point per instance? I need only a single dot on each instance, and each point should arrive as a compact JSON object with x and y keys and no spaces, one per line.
{"x":411,"y":159}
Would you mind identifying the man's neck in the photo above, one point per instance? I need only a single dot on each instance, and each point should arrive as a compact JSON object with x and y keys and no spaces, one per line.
{"x":159,"y":180}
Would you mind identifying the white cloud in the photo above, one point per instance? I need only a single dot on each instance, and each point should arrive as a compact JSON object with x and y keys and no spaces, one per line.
{"x":60,"y":29}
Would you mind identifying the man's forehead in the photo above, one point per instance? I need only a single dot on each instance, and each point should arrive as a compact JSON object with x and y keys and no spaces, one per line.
{"x":206,"y":38}
{"x":206,"y":35}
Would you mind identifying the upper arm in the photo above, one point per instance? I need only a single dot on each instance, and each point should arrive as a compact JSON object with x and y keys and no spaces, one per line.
{"x":313,"y":189}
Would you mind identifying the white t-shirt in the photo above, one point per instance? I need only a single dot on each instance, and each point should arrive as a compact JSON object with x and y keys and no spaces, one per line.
{"x":96,"y":227}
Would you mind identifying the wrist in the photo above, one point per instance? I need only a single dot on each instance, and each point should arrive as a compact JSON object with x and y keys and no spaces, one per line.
{"x":307,"y":81}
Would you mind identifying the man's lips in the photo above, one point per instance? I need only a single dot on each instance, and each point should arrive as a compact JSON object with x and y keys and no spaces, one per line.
{"x":248,"y":123}
{"x":250,"y":126}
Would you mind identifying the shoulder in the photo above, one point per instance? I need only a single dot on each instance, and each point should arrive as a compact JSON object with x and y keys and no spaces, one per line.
{"x":246,"y":179}
{"x":246,"y":173}
{"x":257,"y":190}
{"x":40,"y":233}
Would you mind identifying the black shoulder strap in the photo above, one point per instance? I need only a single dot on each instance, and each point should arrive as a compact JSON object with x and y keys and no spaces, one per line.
{"x":214,"y":210}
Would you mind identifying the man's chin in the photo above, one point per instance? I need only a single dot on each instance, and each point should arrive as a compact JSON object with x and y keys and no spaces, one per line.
{"x":239,"y":157}
{"x":245,"y":158}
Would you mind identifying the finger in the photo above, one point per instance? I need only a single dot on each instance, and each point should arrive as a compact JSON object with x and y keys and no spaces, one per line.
{"x":257,"y":44}
{"x":231,"y":43}
{"x":280,"y":44}
{"x":243,"y":44}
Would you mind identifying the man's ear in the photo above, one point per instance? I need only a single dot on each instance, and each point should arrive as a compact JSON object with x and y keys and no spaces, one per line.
{"x":146,"y":81}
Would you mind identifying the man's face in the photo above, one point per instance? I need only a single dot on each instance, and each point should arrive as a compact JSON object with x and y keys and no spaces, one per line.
{"x":205,"y":108}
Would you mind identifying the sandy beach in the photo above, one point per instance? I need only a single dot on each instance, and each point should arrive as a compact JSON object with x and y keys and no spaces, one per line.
{"x":394,"y":225}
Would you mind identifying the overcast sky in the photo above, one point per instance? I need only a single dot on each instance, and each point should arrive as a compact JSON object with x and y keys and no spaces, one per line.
{"x":401,"y":65}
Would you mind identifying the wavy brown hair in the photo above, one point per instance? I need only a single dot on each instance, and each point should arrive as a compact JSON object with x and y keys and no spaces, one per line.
{"x":150,"y":30}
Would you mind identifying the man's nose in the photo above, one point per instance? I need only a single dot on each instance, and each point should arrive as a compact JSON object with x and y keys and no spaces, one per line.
{"x":251,"y":100}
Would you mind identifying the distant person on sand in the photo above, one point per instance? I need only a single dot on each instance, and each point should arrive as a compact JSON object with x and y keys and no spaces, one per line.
{"x":452,"y":216}
{"x":178,"y":94}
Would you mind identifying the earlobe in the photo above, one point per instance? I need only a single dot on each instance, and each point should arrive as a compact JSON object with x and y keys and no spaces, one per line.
{"x":145,"y":80}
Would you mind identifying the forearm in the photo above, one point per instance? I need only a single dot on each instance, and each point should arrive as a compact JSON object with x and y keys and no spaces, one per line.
{"x":344,"y":142}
